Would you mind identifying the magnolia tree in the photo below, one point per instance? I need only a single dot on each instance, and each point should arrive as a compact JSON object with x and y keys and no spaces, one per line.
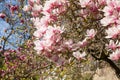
{"x":76,"y":28}
{"x":64,"y":34}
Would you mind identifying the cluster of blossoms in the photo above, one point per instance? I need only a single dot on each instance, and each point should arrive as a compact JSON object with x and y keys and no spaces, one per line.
{"x":91,"y":6}
{"x":112,"y":20}
{"x":115,"y":47}
{"x":111,"y":13}
{"x":50,"y":42}
{"x":49,"y":37}
{"x":112,"y":17}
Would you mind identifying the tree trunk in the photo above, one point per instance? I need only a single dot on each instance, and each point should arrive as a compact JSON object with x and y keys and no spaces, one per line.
{"x":114,"y":66}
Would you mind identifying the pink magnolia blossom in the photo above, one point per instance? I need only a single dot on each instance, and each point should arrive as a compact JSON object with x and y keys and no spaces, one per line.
{"x":83,"y":43}
{"x":57,"y":60}
{"x":45,"y":46}
{"x":113,"y":3}
{"x":39,"y":24}
{"x":79,"y":55}
{"x":45,"y":20}
{"x":79,"y":44}
{"x":13,"y":8}
{"x":115,"y":55}
{"x":38,"y":46}
{"x":91,"y":33}
{"x":22,"y":57}
{"x":111,"y":13}
{"x":109,"y":20}
{"x":60,"y":48}
{"x":48,"y":45}
{"x":51,"y":17}
{"x":60,"y":62}
{"x":54,"y":7}
{"x":35,"y":14}
{"x":49,"y":39}
{"x":84,"y":13}
{"x":53,"y":34}
{"x":112,"y":32}
{"x":31,"y":2}
{"x":2,"y":15}
{"x":37,"y":8}
{"x":26,"y":8}
{"x":106,"y":21}
{"x":68,"y":44}
{"x":38,"y":33}
{"x":6,"y":53}
{"x":90,"y":5}
{"x":49,"y":5}
{"x":112,"y":45}
{"x":102,"y":2}
{"x":108,"y":10}
{"x":84,"y":3}
{"x":62,"y":9}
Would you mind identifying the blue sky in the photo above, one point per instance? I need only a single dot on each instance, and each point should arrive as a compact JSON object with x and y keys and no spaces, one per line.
{"x":3,"y":25}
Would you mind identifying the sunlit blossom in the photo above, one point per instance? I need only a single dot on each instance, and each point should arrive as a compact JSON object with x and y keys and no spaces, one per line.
{"x":91,"y":33}
{"x":79,"y":55}
{"x":115,"y":55}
